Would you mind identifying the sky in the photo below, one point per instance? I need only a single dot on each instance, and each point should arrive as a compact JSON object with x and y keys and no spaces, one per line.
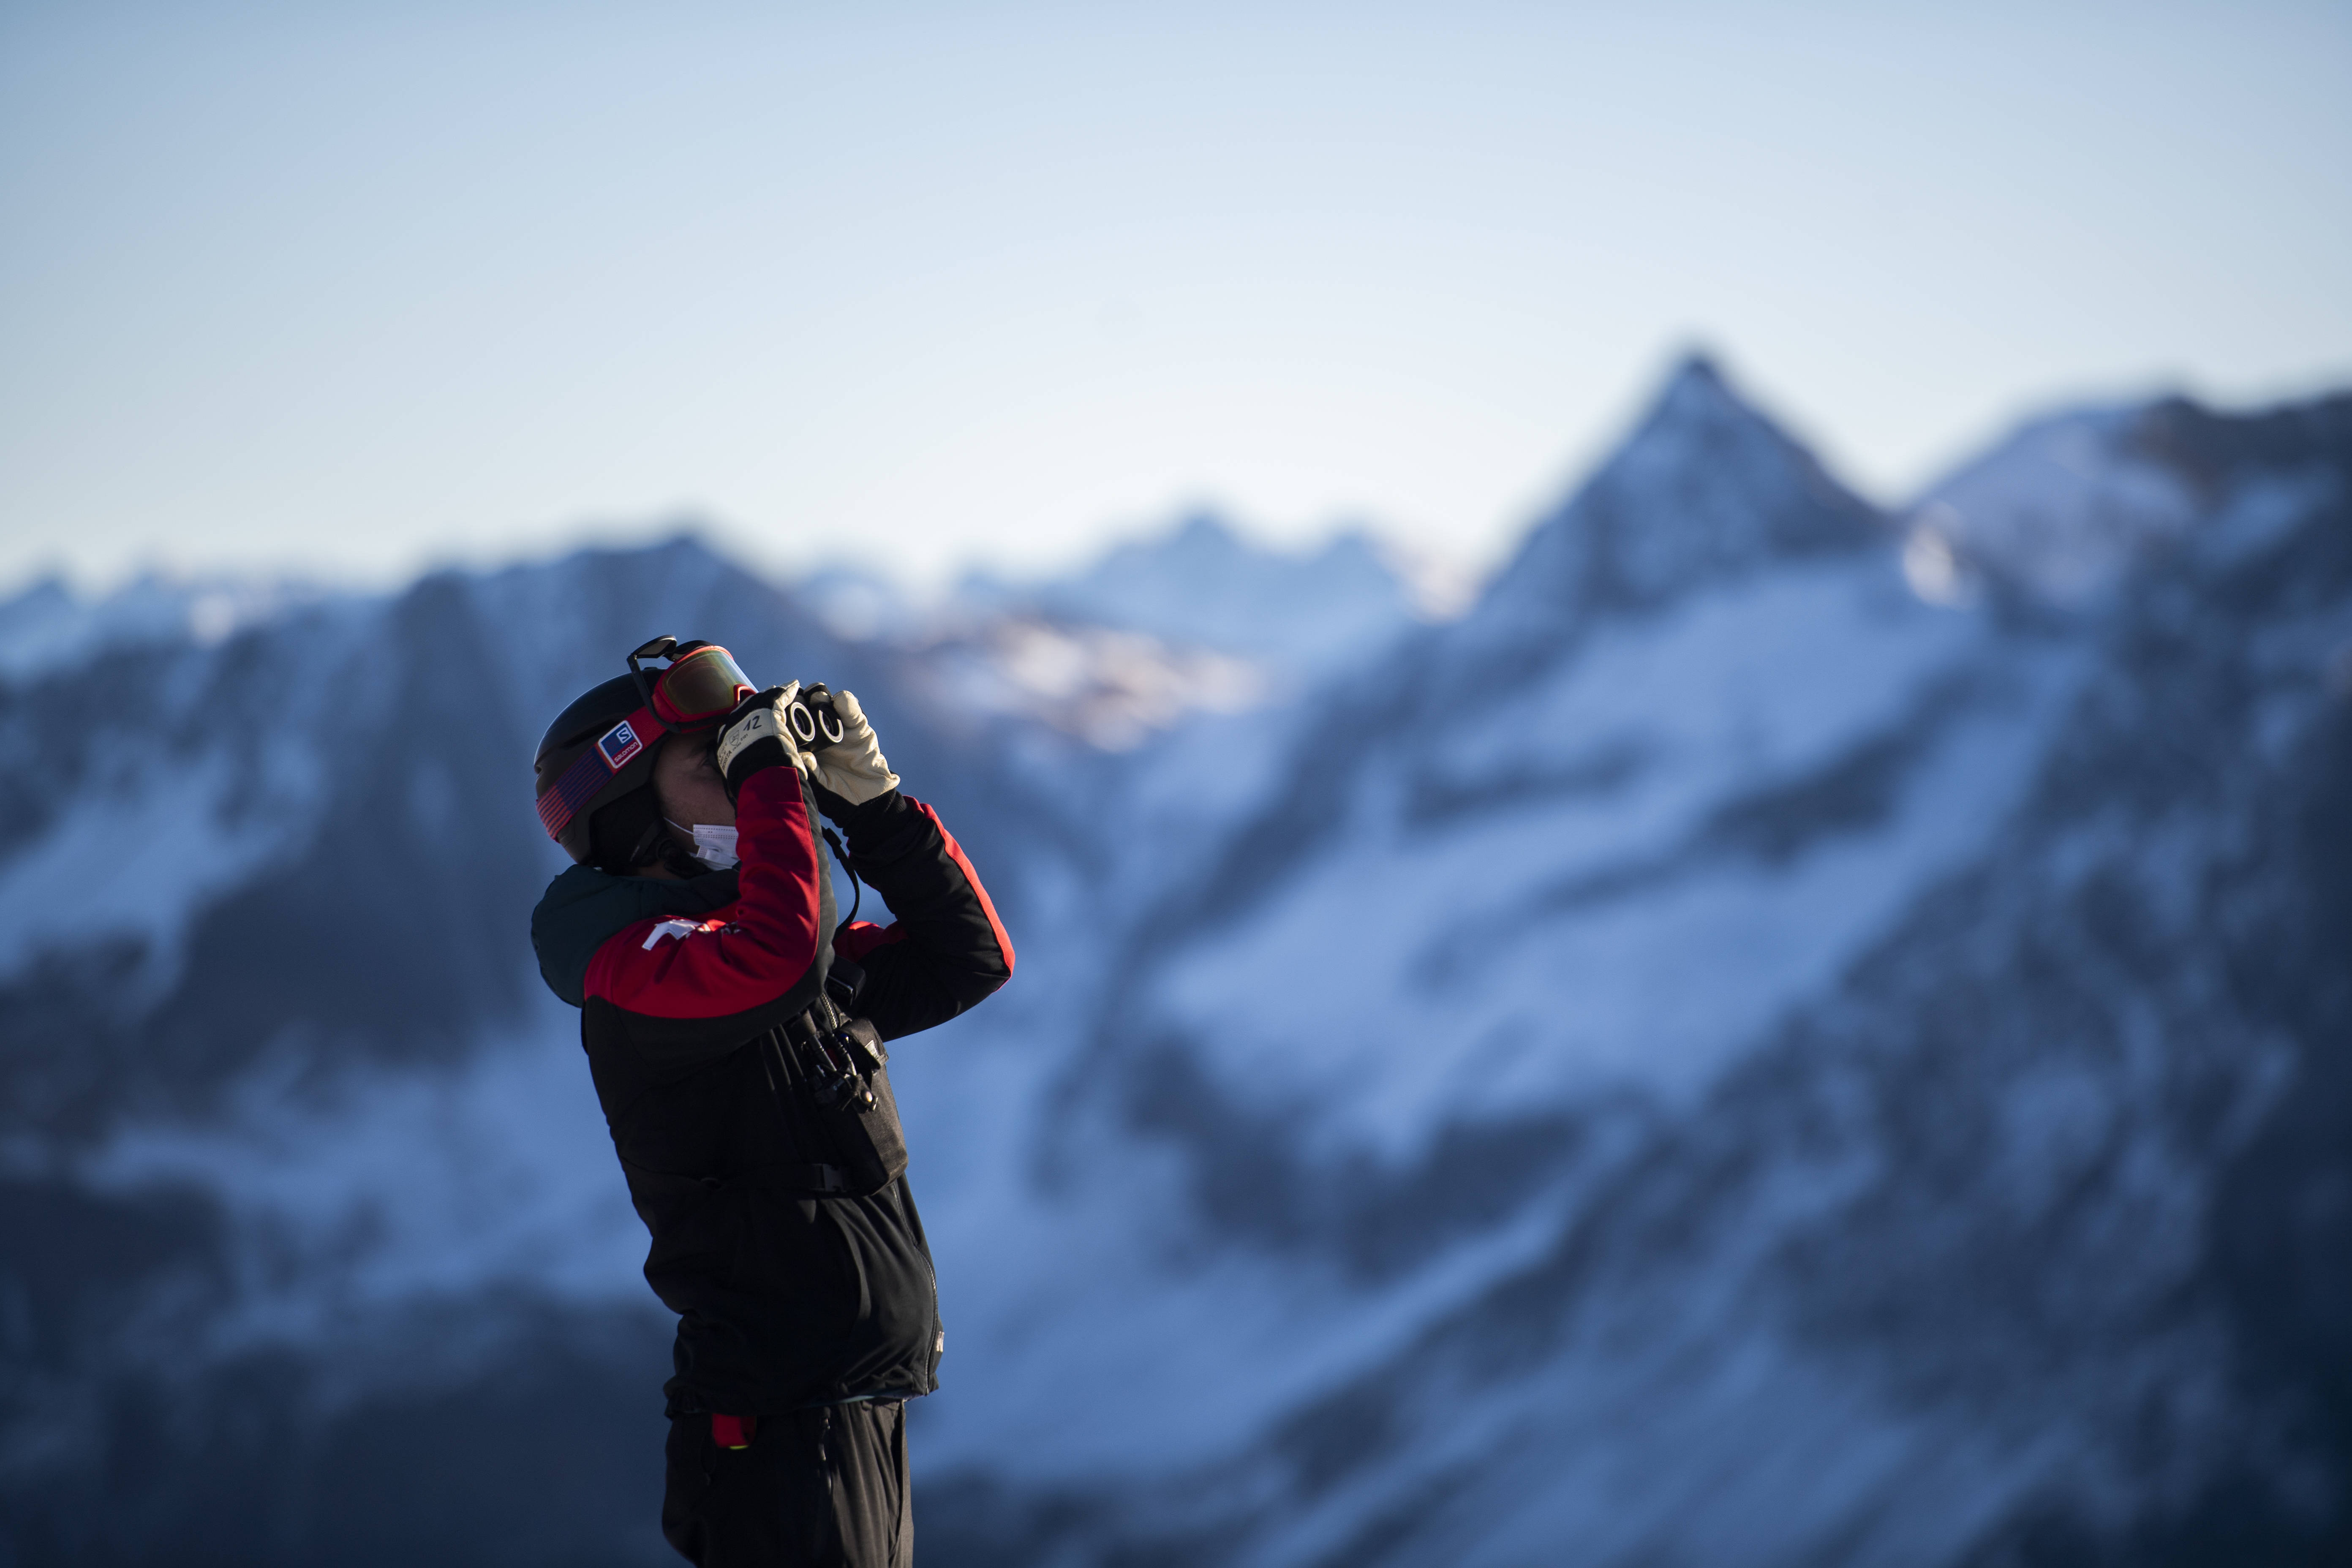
{"x":346,"y":291}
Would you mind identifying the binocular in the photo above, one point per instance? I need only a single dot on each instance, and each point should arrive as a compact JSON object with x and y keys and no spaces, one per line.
{"x":703,"y":682}
{"x":810,"y":716}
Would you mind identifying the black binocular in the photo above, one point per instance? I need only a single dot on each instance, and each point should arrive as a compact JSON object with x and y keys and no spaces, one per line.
{"x":810,"y":717}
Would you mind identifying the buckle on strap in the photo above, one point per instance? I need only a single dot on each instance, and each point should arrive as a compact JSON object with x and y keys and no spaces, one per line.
{"x":734,"y":1431}
{"x":819,"y":1178}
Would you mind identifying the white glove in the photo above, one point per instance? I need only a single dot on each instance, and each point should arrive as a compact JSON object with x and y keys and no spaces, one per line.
{"x":853,"y":766}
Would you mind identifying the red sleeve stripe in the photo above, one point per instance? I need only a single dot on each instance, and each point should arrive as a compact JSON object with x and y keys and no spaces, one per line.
{"x":955,"y":853}
{"x":856,"y":941}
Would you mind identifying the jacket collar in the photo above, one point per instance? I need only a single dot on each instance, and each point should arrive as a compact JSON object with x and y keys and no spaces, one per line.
{"x":583,"y":907}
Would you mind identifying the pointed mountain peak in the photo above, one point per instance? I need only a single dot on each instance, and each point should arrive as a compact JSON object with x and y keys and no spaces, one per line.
{"x":1696,"y":381}
{"x":1202,"y":537}
{"x":1706,"y":488}
{"x":1697,"y":404}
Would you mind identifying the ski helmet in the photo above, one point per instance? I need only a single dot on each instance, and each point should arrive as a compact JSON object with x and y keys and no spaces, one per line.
{"x":599,"y":752}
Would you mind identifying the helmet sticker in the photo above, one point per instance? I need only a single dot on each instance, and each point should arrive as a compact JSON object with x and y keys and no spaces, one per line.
{"x":619,"y":743}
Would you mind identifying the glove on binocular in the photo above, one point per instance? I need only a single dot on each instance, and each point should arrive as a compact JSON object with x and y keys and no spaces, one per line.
{"x":811,"y":717}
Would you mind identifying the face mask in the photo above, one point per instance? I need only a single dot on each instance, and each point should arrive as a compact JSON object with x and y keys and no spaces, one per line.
{"x":713,"y":845}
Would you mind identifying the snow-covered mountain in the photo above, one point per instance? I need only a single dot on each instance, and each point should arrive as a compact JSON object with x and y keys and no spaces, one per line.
{"x":1780,"y":1072}
{"x":1624,"y":1095}
{"x":2066,"y":507}
{"x":307,"y":1200}
{"x":1303,"y":614}
{"x":1714,"y":1057}
{"x":46,"y":624}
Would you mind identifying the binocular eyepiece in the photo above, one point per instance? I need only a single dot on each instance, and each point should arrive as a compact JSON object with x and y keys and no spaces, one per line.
{"x":810,"y":717}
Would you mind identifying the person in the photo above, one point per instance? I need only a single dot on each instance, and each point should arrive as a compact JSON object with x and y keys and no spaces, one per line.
{"x":736,"y":1040}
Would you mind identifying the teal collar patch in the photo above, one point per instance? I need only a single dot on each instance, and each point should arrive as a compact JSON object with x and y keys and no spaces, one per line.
{"x":583,"y":907}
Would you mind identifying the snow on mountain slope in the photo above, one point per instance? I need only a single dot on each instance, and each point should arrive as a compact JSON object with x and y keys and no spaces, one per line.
{"x":1706,"y":1060}
{"x":1525,"y":876}
{"x":159,"y":778}
{"x":268,"y":987}
{"x":1703,"y":493}
{"x":2064,"y":507}
{"x":1109,"y":689}
{"x":1731,"y":796}
{"x":1782,"y":1118}
{"x":288,"y":1126}
{"x":386,"y":1184}
{"x":47,"y":624}
{"x":1723,"y":770}
{"x":1955,"y":1263}
{"x":1150,"y":695}
{"x":328,"y":804}
{"x":1202,"y":584}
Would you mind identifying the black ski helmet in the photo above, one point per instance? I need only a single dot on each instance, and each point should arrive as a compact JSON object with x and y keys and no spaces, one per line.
{"x":595,"y":714}
{"x":596,"y":763}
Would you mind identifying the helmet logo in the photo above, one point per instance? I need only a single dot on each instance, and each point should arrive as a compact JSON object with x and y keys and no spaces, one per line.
{"x":619,"y":743}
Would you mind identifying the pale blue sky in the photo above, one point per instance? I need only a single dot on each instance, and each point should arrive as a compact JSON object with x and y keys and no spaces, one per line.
{"x":354,"y":288}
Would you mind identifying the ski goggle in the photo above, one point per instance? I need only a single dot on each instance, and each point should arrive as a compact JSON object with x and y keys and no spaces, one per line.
{"x":702,"y":684}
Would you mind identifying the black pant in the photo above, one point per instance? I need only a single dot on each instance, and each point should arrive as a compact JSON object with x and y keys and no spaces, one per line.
{"x":816,"y":1489}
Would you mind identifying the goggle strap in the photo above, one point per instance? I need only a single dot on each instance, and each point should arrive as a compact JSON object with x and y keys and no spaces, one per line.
{"x":592,"y":769}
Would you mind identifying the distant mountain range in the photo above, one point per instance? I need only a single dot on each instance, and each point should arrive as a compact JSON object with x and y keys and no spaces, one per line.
{"x":1786,"y":1034}
{"x":1203,"y":584}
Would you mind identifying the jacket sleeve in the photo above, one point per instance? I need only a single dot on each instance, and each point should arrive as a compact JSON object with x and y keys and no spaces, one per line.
{"x":946,"y":949}
{"x":759,"y":951}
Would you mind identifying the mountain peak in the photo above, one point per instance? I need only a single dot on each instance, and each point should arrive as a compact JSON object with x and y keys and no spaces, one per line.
{"x":1696,"y":376}
{"x":2068,"y":503}
{"x":1706,"y":488}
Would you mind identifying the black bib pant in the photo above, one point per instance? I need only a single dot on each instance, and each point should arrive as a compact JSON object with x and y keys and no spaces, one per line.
{"x":814,"y":1489}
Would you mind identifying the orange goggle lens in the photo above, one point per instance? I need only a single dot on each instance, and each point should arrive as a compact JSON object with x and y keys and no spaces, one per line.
{"x":699,"y":687}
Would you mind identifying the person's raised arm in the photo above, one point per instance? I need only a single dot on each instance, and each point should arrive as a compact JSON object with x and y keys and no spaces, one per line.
{"x":946,"y":949}
{"x":767,"y":947}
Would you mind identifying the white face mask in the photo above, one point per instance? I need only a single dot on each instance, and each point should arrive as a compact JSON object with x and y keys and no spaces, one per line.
{"x":713,"y":845}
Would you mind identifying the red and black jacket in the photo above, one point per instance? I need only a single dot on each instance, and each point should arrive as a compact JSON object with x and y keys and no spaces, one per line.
{"x":785,"y":1297}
